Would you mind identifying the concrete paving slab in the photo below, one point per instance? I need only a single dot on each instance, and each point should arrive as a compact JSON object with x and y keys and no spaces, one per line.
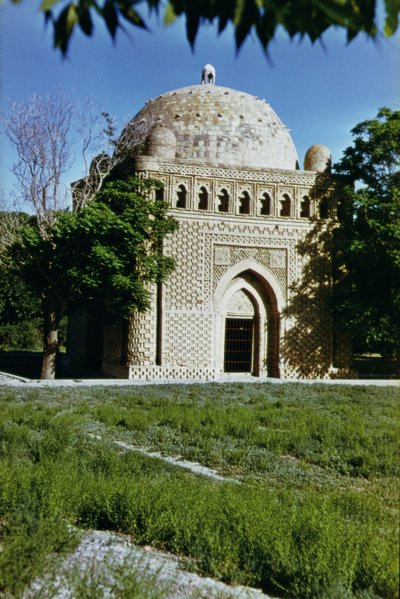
{"x":9,"y":379}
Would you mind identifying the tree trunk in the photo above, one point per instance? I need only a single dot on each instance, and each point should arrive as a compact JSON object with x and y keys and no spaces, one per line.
{"x":51,"y":319}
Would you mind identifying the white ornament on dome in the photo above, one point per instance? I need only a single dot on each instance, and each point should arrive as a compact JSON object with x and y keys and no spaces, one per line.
{"x":208,"y":75}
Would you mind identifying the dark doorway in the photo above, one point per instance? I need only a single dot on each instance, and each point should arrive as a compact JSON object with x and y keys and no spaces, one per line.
{"x":94,"y":344}
{"x":238,"y":344}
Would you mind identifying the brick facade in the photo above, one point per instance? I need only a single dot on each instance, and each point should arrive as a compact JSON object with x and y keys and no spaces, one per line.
{"x":244,"y":209}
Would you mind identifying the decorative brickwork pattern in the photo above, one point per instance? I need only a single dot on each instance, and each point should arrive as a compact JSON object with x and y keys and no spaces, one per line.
{"x":272,"y":176}
{"x":188,"y":339}
{"x":185,"y":288}
{"x":142,"y":335}
{"x":265,"y":256}
{"x":240,"y":304}
{"x":157,"y":373}
{"x":253,"y":240}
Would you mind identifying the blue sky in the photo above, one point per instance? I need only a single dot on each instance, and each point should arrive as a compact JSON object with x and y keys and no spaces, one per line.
{"x":319,"y":92}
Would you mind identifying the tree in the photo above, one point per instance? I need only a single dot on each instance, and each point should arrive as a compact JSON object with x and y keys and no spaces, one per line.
{"x":19,"y":307}
{"x":249,"y":17}
{"x":102,"y":257}
{"x":39,"y":131}
{"x":95,"y":131}
{"x":368,"y":294}
{"x":48,"y":133}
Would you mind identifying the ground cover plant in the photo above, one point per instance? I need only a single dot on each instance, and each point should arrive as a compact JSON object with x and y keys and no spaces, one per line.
{"x":315,"y":513}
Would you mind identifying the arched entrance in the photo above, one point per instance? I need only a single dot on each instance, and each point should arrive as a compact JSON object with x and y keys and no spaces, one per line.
{"x":240,"y":325}
{"x":249,"y":303}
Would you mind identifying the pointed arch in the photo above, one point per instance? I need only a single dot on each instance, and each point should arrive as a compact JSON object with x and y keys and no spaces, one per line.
{"x":266,"y":296}
{"x":203,"y":198}
{"x":181,"y":194}
{"x":265,"y":204}
{"x":285,"y":205}
{"x":223,"y":200}
{"x":305,"y":207}
{"x":267,"y":279}
{"x":244,"y":203}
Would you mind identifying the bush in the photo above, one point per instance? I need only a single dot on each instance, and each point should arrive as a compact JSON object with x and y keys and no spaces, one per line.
{"x":289,"y":532}
{"x":21,"y":336}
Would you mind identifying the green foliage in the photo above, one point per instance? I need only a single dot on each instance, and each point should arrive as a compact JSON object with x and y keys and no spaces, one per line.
{"x":104,"y":254}
{"x":248,"y":17}
{"x":27,"y":538}
{"x":22,"y":336}
{"x":17,"y":302}
{"x":286,"y":436}
{"x":19,"y":313}
{"x":334,"y":536}
{"x":19,"y":307}
{"x":368,"y":294}
{"x":102,"y":257}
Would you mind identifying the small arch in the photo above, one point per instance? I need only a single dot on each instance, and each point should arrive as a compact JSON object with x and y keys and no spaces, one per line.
{"x":241,"y":303}
{"x":244,"y":203}
{"x":159,"y":194}
{"x":265,"y":204}
{"x":285,"y":205}
{"x":305,"y":207}
{"x":223,"y":198}
{"x":323,"y":208}
{"x":203,"y":198}
{"x":181,"y":194}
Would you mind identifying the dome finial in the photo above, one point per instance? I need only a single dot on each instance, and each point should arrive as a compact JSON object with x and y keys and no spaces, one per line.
{"x":208,"y":75}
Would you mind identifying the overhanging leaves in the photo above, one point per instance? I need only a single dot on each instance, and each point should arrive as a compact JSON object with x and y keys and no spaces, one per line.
{"x":259,"y":17}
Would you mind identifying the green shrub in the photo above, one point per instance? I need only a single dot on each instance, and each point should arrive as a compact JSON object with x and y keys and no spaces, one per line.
{"x":301,"y":524}
{"x":21,"y":336}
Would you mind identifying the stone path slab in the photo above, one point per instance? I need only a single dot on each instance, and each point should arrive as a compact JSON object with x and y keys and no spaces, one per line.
{"x":194,"y":467}
{"x":13,"y":380}
{"x":101,"y":552}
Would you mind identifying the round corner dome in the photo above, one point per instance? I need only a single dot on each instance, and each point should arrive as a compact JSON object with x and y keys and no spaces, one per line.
{"x":211,"y":125}
{"x":318,"y":158}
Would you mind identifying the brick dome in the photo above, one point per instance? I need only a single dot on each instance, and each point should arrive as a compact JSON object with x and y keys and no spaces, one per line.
{"x":213,"y":125}
{"x":318,"y":158}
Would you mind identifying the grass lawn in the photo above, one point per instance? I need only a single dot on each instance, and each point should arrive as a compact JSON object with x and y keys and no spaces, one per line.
{"x":315,"y":513}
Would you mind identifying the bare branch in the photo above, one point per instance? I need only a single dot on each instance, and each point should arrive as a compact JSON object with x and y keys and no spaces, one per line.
{"x":97,"y":138}
{"x":10,"y":223}
{"x":39,"y":130}
{"x":48,"y":133}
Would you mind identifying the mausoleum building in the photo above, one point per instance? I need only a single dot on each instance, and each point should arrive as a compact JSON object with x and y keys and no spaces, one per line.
{"x":254,"y":250}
